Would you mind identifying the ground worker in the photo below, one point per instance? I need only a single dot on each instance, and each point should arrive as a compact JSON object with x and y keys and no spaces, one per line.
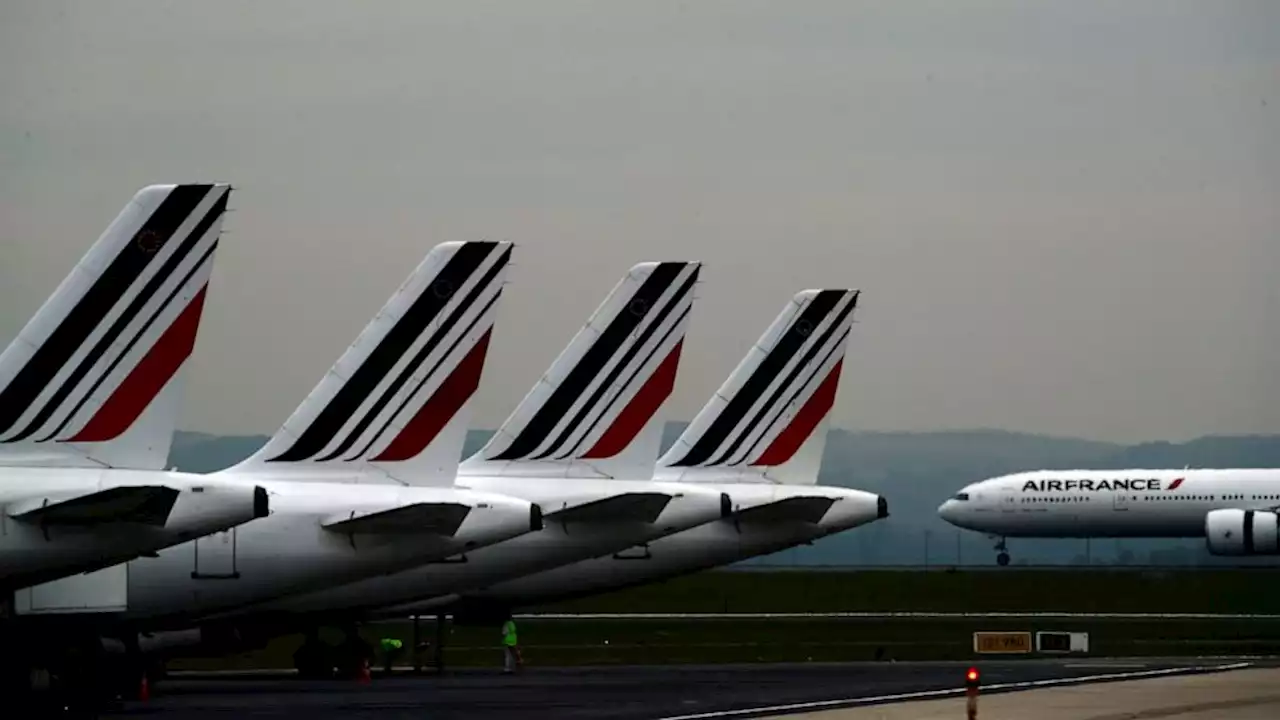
{"x":510,"y":647}
{"x":390,"y":651}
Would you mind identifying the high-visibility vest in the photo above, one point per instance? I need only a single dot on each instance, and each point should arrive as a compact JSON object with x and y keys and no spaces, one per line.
{"x":509,"y":633}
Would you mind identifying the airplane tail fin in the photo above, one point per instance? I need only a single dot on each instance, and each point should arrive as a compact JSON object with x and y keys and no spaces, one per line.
{"x":95,"y":379}
{"x":595,"y":411}
{"x":768,"y":421}
{"x":396,"y":405}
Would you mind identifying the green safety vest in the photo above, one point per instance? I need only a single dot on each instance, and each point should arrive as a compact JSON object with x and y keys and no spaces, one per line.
{"x":391,"y":644}
{"x":509,"y":633}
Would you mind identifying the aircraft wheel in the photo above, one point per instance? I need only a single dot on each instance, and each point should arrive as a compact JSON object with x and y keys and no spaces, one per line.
{"x":1002,"y":559}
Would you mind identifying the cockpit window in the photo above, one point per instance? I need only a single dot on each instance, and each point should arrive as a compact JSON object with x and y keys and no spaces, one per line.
{"x":962,"y":496}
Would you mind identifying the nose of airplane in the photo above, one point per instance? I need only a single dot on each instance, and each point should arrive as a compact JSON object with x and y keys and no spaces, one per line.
{"x":947,"y":510}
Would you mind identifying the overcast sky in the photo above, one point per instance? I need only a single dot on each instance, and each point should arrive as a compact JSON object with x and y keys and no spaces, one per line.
{"x":1065,"y":215}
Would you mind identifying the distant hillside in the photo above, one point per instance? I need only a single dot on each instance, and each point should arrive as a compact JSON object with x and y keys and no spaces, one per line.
{"x":916,"y":472}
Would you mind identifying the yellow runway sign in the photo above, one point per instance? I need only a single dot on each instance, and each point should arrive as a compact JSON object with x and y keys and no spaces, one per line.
{"x":989,"y":643}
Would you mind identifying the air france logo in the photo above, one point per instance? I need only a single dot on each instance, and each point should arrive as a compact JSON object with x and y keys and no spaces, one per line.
{"x":1087,"y":485}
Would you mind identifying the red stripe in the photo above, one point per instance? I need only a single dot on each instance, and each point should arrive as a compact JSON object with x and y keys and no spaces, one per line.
{"x":785,"y":445}
{"x":147,"y":378}
{"x":437,"y":411}
{"x":1174,"y":485}
{"x":637,"y":413}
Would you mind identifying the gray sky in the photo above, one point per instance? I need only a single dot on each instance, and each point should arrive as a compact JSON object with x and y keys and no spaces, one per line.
{"x":1064,"y":215}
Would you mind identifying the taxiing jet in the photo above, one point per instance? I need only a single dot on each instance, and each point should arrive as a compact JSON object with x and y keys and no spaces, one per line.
{"x":90,"y":392}
{"x":759,"y":440}
{"x":1234,"y":510}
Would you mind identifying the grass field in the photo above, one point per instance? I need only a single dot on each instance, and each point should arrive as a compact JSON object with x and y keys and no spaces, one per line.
{"x":1117,"y":590}
{"x":598,"y":641}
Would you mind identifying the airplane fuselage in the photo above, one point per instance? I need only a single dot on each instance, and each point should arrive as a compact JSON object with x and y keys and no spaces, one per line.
{"x":1109,"y":503}
{"x":562,"y":540}
{"x":97,"y":535}
{"x":705,"y":546}
{"x":292,"y":551}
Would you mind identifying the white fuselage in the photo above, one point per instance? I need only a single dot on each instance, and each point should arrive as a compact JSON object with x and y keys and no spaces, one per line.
{"x":32,"y":553}
{"x":291,"y":552}
{"x":558,"y":543}
{"x":708,"y":545}
{"x":1108,"y":503}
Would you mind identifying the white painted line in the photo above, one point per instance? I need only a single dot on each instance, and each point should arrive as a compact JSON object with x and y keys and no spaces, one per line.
{"x":891,"y":615}
{"x":854,"y":702}
{"x":1106,"y":664}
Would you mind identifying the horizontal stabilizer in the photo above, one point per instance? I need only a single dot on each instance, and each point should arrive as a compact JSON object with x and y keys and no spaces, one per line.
{"x":628,"y":507}
{"x":795,"y":509}
{"x":146,"y":504}
{"x":415,"y":519}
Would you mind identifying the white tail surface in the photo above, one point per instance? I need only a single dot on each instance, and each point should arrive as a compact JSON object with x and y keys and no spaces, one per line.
{"x":595,"y":412}
{"x":396,"y":405}
{"x":768,"y":422}
{"x":95,"y":379}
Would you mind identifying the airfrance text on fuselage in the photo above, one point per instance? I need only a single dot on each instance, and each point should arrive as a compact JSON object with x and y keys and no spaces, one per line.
{"x":1087,"y":485}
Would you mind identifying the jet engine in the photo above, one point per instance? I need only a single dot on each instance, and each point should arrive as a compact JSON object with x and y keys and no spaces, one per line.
{"x":1242,"y":532}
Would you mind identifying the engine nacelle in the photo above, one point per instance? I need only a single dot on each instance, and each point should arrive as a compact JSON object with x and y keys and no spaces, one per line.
{"x":1242,"y":532}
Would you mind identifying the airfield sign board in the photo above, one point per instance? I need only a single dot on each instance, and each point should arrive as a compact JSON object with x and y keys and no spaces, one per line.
{"x":1002,"y":643}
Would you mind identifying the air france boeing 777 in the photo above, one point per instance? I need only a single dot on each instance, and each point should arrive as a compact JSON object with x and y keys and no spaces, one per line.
{"x":1235,"y":510}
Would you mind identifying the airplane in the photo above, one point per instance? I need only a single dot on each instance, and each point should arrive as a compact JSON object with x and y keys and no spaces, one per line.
{"x":582,"y":444}
{"x":360,"y":477}
{"x":759,"y":439}
{"x":1235,"y":510}
{"x":90,"y":392}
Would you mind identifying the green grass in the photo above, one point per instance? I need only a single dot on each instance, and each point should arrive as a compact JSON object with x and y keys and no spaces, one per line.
{"x":661,"y":641}
{"x":1154,"y":591}
{"x":593,"y":641}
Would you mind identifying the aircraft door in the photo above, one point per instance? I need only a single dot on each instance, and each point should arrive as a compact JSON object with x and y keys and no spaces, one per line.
{"x":1120,"y":501}
{"x":1008,"y":501}
{"x":216,"y":556}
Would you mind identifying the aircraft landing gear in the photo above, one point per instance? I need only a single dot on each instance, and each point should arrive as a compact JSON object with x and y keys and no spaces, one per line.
{"x":312,"y":659}
{"x":1002,"y":559}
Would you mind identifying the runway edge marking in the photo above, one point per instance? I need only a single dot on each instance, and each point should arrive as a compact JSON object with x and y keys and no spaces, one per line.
{"x":892,"y":615}
{"x":952,"y":692}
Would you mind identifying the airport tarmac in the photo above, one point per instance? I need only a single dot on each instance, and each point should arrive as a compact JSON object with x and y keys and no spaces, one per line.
{"x":599,"y":693}
{"x":1249,"y":694}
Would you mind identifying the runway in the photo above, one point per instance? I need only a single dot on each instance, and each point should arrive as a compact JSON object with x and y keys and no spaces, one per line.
{"x":600,"y":693}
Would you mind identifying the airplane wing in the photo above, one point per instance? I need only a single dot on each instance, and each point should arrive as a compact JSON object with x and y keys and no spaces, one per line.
{"x":146,"y":504}
{"x":627,"y":507}
{"x":415,"y":519}
{"x":796,"y":509}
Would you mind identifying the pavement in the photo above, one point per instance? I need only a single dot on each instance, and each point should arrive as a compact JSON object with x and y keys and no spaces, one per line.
{"x":1250,"y":694}
{"x":689,"y":692}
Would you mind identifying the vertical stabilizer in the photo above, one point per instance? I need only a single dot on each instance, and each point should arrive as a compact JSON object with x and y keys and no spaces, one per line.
{"x":396,"y":406}
{"x":595,"y":412}
{"x":95,"y":379}
{"x":768,"y":422}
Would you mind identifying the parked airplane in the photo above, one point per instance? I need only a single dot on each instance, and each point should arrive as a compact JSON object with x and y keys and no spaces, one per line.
{"x":392,"y":411}
{"x":582,"y":444}
{"x":90,"y":392}
{"x":361,"y":475}
{"x":759,"y":440}
{"x":1234,"y":510}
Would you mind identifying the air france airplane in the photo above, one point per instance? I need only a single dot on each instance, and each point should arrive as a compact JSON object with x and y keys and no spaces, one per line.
{"x":90,"y":393}
{"x":1234,"y":510}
